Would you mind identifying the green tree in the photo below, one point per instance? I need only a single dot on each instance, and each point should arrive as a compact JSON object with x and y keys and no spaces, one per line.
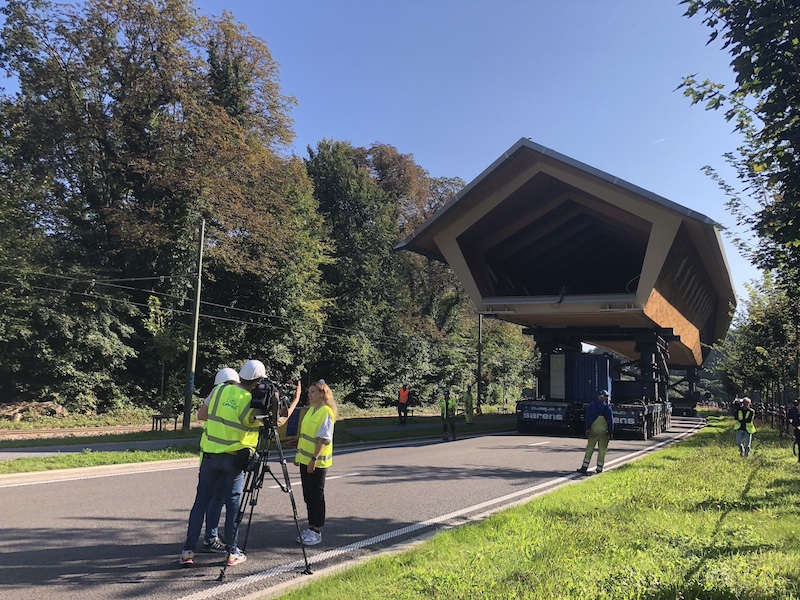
{"x":763,"y":40}
{"x":760,"y":352}
{"x":133,"y":121}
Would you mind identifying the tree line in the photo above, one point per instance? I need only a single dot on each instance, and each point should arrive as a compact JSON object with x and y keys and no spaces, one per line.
{"x":132,"y":122}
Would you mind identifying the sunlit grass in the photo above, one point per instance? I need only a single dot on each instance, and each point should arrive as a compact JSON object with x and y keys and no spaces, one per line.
{"x":691,"y":521}
{"x":88,"y":458}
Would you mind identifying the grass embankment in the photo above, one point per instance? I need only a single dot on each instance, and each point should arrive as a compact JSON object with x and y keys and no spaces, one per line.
{"x":692,"y":521}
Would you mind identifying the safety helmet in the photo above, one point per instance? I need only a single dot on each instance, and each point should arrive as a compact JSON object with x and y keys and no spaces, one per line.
{"x":225,"y":375}
{"x":252,"y":370}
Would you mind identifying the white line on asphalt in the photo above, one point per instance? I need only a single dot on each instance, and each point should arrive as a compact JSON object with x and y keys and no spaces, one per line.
{"x":538,"y":444}
{"x":297,"y":565}
{"x":297,"y":483}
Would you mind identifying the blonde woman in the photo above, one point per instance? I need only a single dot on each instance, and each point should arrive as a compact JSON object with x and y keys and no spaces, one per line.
{"x":315,"y":456}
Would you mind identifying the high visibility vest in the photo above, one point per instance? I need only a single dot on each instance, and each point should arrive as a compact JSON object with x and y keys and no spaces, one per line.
{"x":227,"y":428}
{"x":449,"y":407}
{"x":745,"y":417}
{"x":403,"y":396}
{"x":307,"y":443}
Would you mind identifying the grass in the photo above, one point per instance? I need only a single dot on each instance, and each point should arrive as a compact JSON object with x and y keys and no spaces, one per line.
{"x":136,"y":436}
{"x":32,"y":420}
{"x":88,"y":458}
{"x":692,"y":521}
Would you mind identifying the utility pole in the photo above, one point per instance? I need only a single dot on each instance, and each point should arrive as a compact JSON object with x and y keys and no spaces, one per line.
{"x":480,"y":369}
{"x":192,"y":360}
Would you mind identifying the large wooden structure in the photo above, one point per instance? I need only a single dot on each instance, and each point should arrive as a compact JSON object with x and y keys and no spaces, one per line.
{"x":547,"y":242}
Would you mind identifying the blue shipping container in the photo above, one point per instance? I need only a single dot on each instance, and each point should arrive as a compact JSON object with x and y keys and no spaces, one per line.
{"x":582,"y":377}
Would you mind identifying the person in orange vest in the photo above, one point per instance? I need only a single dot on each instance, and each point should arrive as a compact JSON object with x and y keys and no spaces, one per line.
{"x":402,"y":403}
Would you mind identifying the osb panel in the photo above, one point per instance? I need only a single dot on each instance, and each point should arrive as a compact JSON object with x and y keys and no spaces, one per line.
{"x":685,"y":284}
{"x":667,"y":316}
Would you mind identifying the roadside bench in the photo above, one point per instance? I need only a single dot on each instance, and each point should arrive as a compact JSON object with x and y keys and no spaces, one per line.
{"x":158,"y":421}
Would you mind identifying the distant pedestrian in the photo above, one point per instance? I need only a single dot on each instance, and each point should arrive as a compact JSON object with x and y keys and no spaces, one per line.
{"x":449,"y":407}
{"x":403,"y":397}
{"x":469,"y":404}
{"x":744,"y":427}
{"x":793,"y":423}
{"x":599,"y":426}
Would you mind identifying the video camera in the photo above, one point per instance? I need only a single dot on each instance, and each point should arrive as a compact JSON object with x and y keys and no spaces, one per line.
{"x":271,"y":398}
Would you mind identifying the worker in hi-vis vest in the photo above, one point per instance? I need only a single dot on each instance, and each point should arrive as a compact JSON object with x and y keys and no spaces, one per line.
{"x":599,"y":426}
{"x":449,"y":408}
{"x":744,"y":427}
{"x":229,"y":438}
{"x":403,"y":397}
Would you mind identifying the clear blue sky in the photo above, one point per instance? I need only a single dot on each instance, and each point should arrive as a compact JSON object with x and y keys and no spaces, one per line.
{"x":456,"y":83}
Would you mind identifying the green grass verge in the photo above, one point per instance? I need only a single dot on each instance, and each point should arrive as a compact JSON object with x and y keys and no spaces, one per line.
{"x":692,"y":521}
{"x":88,"y":458}
{"x":136,"y":436}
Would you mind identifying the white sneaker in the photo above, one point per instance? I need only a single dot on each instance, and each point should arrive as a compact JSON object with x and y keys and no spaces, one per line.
{"x":303,"y":534}
{"x":312,"y":538}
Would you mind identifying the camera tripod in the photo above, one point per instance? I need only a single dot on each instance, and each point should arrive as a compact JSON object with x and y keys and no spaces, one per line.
{"x":255,"y":471}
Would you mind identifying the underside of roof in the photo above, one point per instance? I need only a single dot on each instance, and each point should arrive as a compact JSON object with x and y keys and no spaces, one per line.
{"x":544,"y":241}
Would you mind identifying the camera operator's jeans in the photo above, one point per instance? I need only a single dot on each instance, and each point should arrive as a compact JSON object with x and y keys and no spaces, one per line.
{"x":743,"y":440}
{"x":216,"y":469}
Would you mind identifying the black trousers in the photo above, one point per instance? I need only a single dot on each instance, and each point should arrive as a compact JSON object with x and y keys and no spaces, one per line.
{"x":402,"y":411}
{"x":314,"y":495}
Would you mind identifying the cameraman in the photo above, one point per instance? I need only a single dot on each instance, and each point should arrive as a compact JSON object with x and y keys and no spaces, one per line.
{"x":229,"y":438}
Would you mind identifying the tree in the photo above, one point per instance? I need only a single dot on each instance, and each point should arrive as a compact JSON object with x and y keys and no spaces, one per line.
{"x":132,"y":122}
{"x":763,"y":39}
{"x":760,"y":352}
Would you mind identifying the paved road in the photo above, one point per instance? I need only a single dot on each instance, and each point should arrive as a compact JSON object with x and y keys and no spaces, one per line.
{"x":112,"y":533}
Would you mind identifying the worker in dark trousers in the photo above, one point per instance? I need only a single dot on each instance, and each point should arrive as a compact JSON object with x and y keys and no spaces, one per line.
{"x":744,"y":427}
{"x":599,"y":426}
{"x":449,"y":408}
{"x":793,"y":421}
{"x":403,"y":396}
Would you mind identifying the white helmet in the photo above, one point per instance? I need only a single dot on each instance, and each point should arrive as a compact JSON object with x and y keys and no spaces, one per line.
{"x":225,"y":375}
{"x":252,"y":370}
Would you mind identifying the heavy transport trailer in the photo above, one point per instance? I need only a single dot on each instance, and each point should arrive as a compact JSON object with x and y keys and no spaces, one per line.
{"x":631,"y":420}
{"x":571,"y":379}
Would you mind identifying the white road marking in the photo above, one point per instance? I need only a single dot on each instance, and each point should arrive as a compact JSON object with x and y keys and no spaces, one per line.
{"x":539,"y":443}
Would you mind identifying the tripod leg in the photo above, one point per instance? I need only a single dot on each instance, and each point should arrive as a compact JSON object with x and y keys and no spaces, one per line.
{"x":288,"y":481}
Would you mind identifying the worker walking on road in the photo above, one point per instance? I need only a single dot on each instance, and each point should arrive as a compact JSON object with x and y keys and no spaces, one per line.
{"x":449,"y":407}
{"x":469,"y":404}
{"x":599,"y":425}
{"x":744,"y":427}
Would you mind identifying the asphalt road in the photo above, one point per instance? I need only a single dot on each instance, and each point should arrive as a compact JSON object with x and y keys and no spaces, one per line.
{"x":109,"y":533}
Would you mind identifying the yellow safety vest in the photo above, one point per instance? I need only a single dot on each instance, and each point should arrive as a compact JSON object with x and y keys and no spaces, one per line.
{"x":227,"y":428}
{"x":307,"y":443}
{"x":746,"y":417}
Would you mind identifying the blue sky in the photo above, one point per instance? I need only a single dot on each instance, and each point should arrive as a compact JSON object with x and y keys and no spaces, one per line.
{"x":457,"y":82}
